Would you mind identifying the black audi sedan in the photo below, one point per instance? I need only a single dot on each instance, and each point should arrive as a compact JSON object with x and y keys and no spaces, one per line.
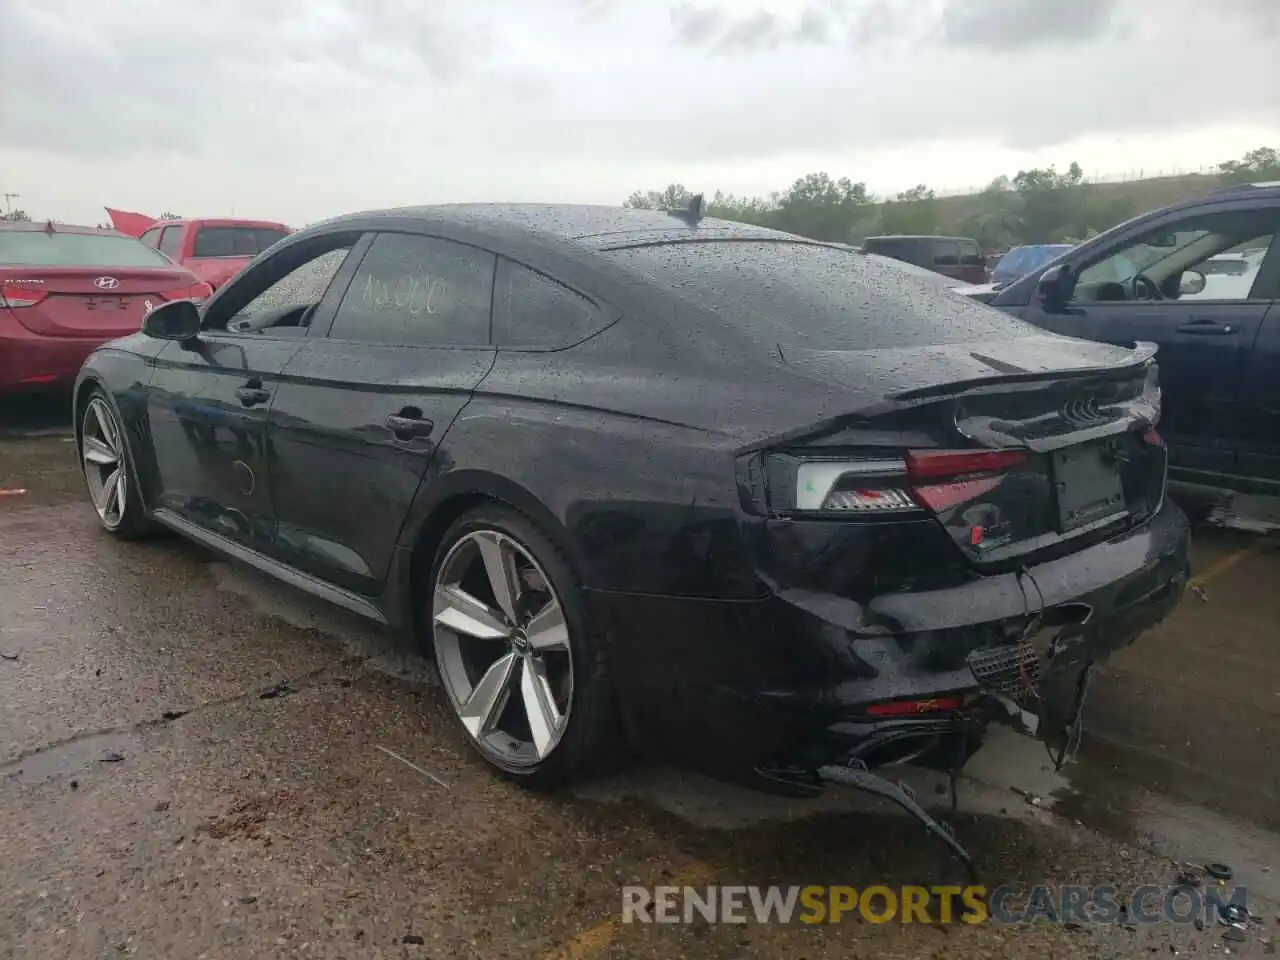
{"x":716,"y":492}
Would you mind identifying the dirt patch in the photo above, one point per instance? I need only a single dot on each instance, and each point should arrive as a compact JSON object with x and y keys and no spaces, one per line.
{"x":247,"y":817}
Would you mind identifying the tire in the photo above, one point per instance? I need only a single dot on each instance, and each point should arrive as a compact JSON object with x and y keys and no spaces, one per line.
{"x":103,"y":447}
{"x":535,"y":666}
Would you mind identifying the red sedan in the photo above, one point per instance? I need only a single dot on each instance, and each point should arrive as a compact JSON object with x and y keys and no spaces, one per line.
{"x":65,"y":290}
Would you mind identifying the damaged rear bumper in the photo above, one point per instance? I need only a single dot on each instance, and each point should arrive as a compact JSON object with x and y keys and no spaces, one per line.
{"x":768,"y":692}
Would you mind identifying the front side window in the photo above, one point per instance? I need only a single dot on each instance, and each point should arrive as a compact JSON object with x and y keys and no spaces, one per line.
{"x":418,"y":290}
{"x":971,"y":254}
{"x":171,"y":242}
{"x":304,"y":286}
{"x":282,"y":289}
{"x":1159,"y":264}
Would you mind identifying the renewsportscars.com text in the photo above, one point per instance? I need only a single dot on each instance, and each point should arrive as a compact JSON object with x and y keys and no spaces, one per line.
{"x":1007,"y":904}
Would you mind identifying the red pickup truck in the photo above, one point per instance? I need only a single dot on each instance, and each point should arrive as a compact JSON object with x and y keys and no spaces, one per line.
{"x":214,"y":250}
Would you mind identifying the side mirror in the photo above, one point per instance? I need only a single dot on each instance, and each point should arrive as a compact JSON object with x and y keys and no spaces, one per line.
{"x":1054,"y":285}
{"x":1192,"y":282}
{"x":176,"y":320}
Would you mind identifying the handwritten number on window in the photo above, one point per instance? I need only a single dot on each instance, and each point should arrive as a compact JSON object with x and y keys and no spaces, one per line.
{"x":414,"y":295}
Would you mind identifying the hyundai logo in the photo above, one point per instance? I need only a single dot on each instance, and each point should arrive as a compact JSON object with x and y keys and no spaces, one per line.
{"x":106,"y":283}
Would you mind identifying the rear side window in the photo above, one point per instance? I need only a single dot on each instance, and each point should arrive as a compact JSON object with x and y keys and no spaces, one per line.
{"x":36,"y":248}
{"x":171,"y":242}
{"x":946,"y":253}
{"x":418,"y":290}
{"x":533,"y":312}
{"x":151,"y":237}
{"x":234,"y":241}
{"x":816,"y":297}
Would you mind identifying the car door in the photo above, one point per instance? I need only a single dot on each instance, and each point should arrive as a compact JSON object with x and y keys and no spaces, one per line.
{"x":365,"y":404}
{"x":1140,"y":287}
{"x":1256,"y":432}
{"x":208,"y":400}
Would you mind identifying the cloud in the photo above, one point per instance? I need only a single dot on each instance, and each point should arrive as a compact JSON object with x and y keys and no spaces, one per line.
{"x":381,"y":101}
{"x":990,"y":25}
{"x":696,"y":23}
{"x":1023,"y":24}
{"x":114,"y":78}
{"x":700,"y":24}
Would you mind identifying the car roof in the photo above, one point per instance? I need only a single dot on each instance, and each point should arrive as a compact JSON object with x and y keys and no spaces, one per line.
{"x":222,"y":222}
{"x":582,"y":225}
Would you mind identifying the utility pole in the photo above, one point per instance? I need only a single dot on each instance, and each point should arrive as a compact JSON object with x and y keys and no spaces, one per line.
{"x":8,"y":207}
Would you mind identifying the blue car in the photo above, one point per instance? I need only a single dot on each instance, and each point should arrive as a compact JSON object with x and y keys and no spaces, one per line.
{"x":1020,"y":261}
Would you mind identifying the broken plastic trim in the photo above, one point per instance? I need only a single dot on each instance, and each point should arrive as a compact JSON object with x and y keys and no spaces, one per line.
{"x":855,"y":774}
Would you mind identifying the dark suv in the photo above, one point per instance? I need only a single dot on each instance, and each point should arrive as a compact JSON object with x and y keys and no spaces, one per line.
{"x":957,"y":257}
{"x":1200,"y":279}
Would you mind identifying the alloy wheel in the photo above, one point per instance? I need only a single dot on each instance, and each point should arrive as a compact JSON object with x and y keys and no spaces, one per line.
{"x":102,"y":454}
{"x":503,"y":647}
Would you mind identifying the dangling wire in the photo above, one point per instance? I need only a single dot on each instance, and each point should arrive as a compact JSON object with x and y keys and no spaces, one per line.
{"x":1028,"y":631}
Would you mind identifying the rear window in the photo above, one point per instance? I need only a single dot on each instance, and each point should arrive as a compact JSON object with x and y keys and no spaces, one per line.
{"x":817,"y":297}
{"x":37,"y":248}
{"x":234,"y":241}
{"x":910,"y":249}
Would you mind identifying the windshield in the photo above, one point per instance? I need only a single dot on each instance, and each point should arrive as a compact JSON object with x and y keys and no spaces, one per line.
{"x":817,"y":297}
{"x":39,"y":248}
{"x":1022,"y":260}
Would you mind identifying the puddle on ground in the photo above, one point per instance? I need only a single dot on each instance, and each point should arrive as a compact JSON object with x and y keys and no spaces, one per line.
{"x":75,"y":759}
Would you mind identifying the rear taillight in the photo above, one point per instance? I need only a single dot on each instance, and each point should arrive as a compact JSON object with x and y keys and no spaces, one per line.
{"x":941,"y":479}
{"x":909,"y":708}
{"x":935,"y":480}
{"x":17,"y":295}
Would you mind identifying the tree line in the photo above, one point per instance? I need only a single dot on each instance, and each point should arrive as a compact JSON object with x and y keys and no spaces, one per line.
{"x":1040,"y":205}
{"x":21,"y":216}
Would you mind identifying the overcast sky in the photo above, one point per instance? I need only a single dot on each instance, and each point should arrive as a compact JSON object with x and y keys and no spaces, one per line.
{"x":300,"y":109}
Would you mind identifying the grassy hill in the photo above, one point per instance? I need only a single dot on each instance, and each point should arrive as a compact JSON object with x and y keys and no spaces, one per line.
{"x":1144,"y":195}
